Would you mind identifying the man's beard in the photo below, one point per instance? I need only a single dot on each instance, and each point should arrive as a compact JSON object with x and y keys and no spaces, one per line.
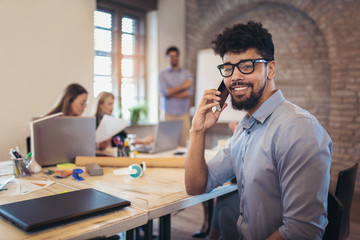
{"x":250,"y":102}
{"x":175,"y":64}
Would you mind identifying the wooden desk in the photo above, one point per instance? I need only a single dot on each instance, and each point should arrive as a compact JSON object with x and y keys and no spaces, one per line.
{"x":159,"y":192}
{"x":102,"y":225}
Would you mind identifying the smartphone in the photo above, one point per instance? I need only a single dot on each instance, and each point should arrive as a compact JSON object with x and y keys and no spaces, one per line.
{"x":224,"y":94}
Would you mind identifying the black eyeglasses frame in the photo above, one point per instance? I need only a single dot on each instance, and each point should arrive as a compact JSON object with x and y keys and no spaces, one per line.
{"x":261,"y":60}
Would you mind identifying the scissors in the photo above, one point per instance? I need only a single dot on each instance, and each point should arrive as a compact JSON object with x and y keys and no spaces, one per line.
{"x":117,"y":141}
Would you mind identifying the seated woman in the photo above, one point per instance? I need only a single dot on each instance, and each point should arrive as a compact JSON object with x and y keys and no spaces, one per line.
{"x":72,"y":102}
{"x":104,"y":105}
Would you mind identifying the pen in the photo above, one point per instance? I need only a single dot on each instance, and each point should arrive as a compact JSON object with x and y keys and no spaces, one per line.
{"x":18,"y":151}
{"x":16,"y":154}
{"x":29,"y":155}
{"x":12,"y":154}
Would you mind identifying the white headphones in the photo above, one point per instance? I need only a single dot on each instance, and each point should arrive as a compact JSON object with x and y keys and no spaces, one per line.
{"x":134,"y":170}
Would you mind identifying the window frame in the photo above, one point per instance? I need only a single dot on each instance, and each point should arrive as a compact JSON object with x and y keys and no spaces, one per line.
{"x":112,"y":53}
{"x":119,"y":11}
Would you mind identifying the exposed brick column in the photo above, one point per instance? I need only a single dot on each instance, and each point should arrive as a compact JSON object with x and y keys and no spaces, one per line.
{"x":317,"y":49}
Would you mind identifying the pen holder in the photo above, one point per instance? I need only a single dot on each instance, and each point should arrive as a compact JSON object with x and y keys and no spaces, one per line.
{"x":121,"y":152}
{"x":21,"y":167}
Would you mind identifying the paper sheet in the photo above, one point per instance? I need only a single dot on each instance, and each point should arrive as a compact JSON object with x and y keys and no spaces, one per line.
{"x":4,"y":180}
{"x":108,"y":127}
{"x":6,"y":167}
{"x":21,"y":186}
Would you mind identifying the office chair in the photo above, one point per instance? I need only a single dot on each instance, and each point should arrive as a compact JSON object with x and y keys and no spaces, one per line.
{"x":335,"y":210}
{"x":344,"y":191}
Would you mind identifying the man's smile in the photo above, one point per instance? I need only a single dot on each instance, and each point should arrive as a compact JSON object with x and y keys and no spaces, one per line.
{"x":239,"y":89}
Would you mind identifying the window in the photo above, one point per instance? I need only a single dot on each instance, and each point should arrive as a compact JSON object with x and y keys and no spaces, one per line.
{"x":103,"y":48}
{"x":119,"y":60}
{"x":132,"y":73}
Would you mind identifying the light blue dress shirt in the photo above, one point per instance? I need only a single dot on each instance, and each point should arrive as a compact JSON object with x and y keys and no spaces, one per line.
{"x":281,"y":159}
{"x":169,"y":78}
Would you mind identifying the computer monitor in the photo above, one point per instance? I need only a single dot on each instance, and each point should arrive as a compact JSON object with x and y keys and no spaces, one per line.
{"x":61,"y":139}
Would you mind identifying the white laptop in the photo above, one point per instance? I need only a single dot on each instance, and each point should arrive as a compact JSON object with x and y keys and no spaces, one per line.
{"x":60,"y":139}
{"x":167,"y":137}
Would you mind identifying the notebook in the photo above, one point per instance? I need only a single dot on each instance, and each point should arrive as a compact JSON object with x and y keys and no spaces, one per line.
{"x":39,"y":213}
{"x":61,"y":139}
{"x":167,"y":137}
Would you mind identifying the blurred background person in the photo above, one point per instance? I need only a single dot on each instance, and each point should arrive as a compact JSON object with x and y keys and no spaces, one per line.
{"x":176,"y":89}
{"x":72,"y":102}
{"x":104,"y":104}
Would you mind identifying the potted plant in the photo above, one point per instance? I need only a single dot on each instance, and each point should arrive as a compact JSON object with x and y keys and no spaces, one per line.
{"x":138,"y":113}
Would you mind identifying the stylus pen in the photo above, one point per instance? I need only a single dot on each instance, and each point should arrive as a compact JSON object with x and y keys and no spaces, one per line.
{"x":61,"y":184}
{"x":6,"y":182}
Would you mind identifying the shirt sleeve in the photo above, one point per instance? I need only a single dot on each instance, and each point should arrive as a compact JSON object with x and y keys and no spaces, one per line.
{"x":220,"y":169}
{"x":191,"y":89}
{"x":163,"y":88}
{"x":303,"y":154}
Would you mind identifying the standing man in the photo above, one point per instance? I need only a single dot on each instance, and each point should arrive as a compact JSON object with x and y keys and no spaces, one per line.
{"x":279,"y":153}
{"x":176,"y":88}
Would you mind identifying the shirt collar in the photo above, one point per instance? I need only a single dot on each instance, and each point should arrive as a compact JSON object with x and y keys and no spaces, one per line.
{"x":265,"y":110}
{"x":169,"y":69}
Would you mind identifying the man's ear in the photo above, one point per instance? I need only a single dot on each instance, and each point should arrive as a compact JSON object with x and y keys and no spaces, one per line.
{"x":271,"y":70}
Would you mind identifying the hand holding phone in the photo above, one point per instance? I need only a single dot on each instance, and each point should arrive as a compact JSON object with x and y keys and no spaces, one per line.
{"x":224,"y":94}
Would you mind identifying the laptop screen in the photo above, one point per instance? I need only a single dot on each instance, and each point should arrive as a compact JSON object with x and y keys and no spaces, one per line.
{"x":47,"y":211}
{"x":167,"y":137}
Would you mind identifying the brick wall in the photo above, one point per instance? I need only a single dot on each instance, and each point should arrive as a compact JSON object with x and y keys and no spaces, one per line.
{"x":317,"y":49}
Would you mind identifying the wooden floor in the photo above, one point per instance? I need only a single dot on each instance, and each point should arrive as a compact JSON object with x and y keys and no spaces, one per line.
{"x":189,"y":220}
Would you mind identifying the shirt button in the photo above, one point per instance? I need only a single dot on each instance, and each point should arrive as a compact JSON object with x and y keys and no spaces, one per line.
{"x":248,"y":132}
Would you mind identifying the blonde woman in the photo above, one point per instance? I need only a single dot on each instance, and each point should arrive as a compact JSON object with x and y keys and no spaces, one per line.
{"x":104,"y":105}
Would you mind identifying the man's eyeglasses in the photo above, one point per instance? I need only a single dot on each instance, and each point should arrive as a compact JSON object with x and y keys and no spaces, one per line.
{"x":245,"y":66}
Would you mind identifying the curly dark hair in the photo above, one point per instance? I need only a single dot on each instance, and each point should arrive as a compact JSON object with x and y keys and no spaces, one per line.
{"x":242,"y":37}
